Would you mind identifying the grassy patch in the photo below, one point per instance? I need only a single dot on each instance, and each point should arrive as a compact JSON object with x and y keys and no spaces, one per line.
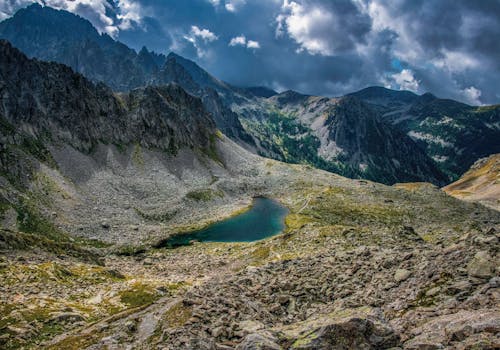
{"x":177,"y":315}
{"x":137,"y":157}
{"x":140,"y":294}
{"x":130,"y":250}
{"x":260,"y":253}
{"x":297,"y":221}
{"x":204,"y":195}
{"x":211,"y":151}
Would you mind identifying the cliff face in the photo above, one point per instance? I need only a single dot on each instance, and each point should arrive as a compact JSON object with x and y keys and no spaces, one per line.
{"x":215,"y":94}
{"x":380,"y":151}
{"x":343,"y":135}
{"x":49,"y":101}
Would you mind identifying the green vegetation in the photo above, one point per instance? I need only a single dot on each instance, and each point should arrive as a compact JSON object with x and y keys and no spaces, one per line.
{"x":205,"y":195}
{"x":137,"y":157}
{"x":131,"y":250}
{"x":211,"y":151}
{"x":177,"y":315}
{"x":283,"y":134}
{"x":140,"y":294}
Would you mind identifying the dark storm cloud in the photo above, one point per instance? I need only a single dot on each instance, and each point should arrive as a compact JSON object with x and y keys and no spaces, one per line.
{"x":324,"y":27}
{"x":448,"y":47}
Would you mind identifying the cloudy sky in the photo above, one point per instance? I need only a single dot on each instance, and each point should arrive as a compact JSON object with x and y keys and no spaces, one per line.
{"x":329,"y":47}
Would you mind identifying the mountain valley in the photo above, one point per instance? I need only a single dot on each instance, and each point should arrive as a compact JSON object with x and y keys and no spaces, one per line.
{"x":102,"y":162}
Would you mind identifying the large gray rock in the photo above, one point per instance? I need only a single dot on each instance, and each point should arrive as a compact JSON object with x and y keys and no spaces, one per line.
{"x":256,"y":341}
{"x":481,"y":266}
{"x":401,"y":274}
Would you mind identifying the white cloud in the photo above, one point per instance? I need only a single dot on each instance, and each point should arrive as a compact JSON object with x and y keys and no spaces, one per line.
{"x":326,"y":28}
{"x":234,"y":5}
{"x":130,"y":12}
{"x":406,"y":80}
{"x":300,"y":23}
{"x":456,"y":61}
{"x":238,"y":40}
{"x":200,"y":38}
{"x":229,"y":5}
{"x":252,"y":44}
{"x":242,"y":41}
{"x":205,"y":34}
{"x":472,"y":95}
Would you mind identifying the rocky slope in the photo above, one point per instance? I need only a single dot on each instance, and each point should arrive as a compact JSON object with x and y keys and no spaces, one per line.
{"x":214,"y":93}
{"x":342,"y":135}
{"x":454,"y":134}
{"x":481,"y":183}
{"x":360,"y":265}
{"x":84,"y":114}
{"x":60,"y":36}
{"x":291,"y":127}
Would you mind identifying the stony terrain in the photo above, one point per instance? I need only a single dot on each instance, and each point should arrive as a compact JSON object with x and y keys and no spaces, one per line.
{"x":360,"y":265}
{"x":481,"y":183}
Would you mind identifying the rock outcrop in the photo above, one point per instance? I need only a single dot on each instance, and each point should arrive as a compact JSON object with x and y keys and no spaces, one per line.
{"x":49,"y":102}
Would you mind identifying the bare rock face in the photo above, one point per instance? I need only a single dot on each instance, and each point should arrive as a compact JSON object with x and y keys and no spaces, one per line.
{"x":401,"y":275}
{"x":439,"y":126}
{"x":256,"y":341}
{"x":349,"y":329}
{"x":51,"y":103}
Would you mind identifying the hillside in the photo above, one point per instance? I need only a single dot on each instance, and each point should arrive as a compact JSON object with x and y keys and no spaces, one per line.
{"x":454,"y":134}
{"x":341,"y":135}
{"x":481,"y":183}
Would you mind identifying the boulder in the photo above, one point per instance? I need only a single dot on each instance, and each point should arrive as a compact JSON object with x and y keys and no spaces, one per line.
{"x":401,"y":274}
{"x":256,"y":341}
{"x":481,"y":266}
{"x":358,"y":328}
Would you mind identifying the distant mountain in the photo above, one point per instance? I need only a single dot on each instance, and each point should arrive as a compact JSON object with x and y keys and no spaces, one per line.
{"x":454,"y":134}
{"x":341,"y":135}
{"x":47,"y":103}
{"x":481,"y":183}
{"x":60,"y":36}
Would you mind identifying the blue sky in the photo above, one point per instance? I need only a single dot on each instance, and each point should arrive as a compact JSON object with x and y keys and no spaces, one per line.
{"x":324,"y":47}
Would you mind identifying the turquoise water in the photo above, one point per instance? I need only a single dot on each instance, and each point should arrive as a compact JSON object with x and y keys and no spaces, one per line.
{"x":265,"y":218}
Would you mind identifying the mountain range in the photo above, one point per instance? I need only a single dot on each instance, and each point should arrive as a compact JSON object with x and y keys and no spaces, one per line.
{"x":376,"y":133}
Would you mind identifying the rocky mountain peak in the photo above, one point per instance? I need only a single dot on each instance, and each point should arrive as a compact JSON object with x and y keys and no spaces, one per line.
{"x":61,"y":36}
{"x":43,"y":98}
